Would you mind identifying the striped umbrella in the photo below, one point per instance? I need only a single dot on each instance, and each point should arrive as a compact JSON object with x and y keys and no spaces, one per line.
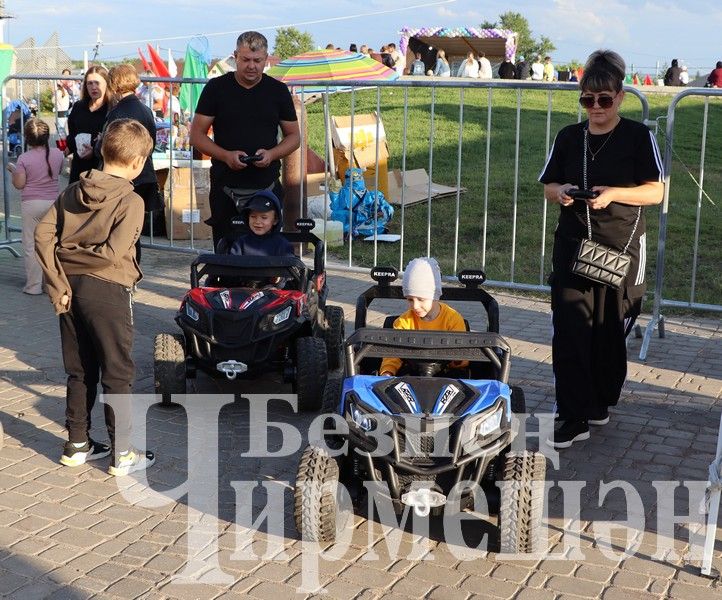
{"x":330,"y":65}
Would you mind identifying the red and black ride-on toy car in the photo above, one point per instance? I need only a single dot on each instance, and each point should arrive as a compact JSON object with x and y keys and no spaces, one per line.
{"x":249,"y":314}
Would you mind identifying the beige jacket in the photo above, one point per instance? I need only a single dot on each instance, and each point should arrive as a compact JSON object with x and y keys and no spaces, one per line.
{"x":91,"y":230}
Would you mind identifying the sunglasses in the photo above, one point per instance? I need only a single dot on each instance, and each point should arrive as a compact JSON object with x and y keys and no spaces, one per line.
{"x":603,"y":101}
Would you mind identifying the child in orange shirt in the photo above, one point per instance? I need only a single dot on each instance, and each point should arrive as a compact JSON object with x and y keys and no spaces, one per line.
{"x":422,"y":288}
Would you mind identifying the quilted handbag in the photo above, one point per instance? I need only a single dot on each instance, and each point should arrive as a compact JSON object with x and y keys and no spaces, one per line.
{"x":601,"y":263}
{"x":597,"y":262}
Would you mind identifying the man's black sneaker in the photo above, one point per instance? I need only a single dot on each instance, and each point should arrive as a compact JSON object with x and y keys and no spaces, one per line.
{"x":569,"y":432}
{"x":600,"y":419}
{"x":130,"y":461}
{"x":74,"y":457}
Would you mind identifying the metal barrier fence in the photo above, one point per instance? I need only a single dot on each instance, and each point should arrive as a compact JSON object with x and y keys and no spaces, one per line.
{"x":359,"y":90}
{"x":406,"y":131}
{"x":449,"y":119}
{"x":657,"y":320}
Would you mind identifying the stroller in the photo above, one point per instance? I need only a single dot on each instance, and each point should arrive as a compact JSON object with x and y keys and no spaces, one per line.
{"x":16,"y":113}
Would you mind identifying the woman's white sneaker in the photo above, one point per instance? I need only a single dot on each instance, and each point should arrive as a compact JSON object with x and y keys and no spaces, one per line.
{"x":131,"y":461}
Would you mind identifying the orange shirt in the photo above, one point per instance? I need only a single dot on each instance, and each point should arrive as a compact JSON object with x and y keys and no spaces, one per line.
{"x":447,"y":320}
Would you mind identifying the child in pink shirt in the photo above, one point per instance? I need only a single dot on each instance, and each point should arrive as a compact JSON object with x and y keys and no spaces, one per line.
{"x":36,"y":175}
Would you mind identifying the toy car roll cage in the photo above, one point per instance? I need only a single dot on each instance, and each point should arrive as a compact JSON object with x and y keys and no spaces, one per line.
{"x":254,"y":267}
{"x":471,"y":292}
{"x":266,"y":266}
{"x":428,"y":345}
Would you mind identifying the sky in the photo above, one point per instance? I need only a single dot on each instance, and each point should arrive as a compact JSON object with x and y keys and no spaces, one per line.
{"x":645,"y":33}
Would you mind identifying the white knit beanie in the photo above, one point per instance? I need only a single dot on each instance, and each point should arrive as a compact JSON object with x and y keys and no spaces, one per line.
{"x":422,"y":278}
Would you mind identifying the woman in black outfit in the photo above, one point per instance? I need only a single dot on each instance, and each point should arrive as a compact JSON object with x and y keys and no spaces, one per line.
{"x":123,"y":83}
{"x":591,"y":320}
{"x":88,"y":116}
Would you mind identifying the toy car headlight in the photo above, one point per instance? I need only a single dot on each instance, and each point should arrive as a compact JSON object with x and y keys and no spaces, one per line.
{"x":484,"y":426}
{"x":361,"y":418}
{"x":490,"y":423}
{"x":192,"y":312}
{"x":275,"y":320}
{"x":282,"y":316}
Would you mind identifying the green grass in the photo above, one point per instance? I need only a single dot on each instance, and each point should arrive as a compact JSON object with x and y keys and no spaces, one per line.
{"x":529,"y":266}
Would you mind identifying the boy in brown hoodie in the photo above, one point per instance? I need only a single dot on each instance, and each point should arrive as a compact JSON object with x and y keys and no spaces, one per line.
{"x":86,"y":247}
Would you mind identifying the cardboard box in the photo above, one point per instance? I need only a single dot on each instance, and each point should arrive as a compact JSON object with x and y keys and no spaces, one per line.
{"x":191,"y":188}
{"x":315,"y":183}
{"x":364,"y":148}
{"x":342,"y":164}
{"x":416,"y":187}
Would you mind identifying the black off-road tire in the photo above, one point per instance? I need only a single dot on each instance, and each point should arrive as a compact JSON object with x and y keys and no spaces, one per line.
{"x":332,"y":394}
{"x":169,"y":366}
{"x":311,"y":372}
{"x":518,"y":401}
{"x":315,"y":496}
{"x":518,"y":408}
{"x":522,"y":501}
{"x":334,"y":336}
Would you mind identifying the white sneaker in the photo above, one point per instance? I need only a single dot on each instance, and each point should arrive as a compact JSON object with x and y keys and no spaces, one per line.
{"x":130,"y":461}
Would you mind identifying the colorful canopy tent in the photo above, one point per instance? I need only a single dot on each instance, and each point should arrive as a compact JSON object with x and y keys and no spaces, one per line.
{"x":496,"y":44}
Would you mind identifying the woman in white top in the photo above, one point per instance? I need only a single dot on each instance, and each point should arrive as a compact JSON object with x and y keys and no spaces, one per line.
{"x":684,"y":76}
{"x":62,"y":106}
{"x":469,"y":68}
{"x":537,"y":69}
{"x":485,"y":71}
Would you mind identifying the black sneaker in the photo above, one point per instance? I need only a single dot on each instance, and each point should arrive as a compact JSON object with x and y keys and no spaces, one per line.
{"x":600,"y":419}
{"x":569,"y":432}
{"x":130,"y":461}
{"x":74,"y":457}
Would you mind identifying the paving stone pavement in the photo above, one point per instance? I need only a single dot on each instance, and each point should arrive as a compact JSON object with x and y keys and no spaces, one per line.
{"x":72,"y":534}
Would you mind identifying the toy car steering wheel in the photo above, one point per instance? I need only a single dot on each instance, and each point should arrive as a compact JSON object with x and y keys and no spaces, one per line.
{"x":425,"y":368}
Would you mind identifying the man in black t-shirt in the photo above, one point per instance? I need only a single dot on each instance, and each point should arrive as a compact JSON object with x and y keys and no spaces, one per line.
{"x":246,"y":109}
{"x":507,"y":70}
{"x":522,"y":69}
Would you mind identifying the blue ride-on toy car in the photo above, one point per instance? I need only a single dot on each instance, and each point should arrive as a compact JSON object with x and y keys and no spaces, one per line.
{"x":449,"y":434}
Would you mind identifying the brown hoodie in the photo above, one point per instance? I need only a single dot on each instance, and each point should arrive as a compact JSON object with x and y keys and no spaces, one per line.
{"x":90,"y":230}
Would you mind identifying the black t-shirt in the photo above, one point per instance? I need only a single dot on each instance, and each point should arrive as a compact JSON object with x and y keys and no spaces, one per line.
{"x":630,"y":157}
{"x":82,"y":120}
{"x":522,"y":70}
{"x":248,"y":120}
{"x":130,"y":107}
{"x":507,"y":70}
{"x":672,"y":76}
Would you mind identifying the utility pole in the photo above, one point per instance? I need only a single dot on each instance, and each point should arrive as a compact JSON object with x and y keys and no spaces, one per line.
{"x":3,"y":16}
{"x":96,"y":49}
